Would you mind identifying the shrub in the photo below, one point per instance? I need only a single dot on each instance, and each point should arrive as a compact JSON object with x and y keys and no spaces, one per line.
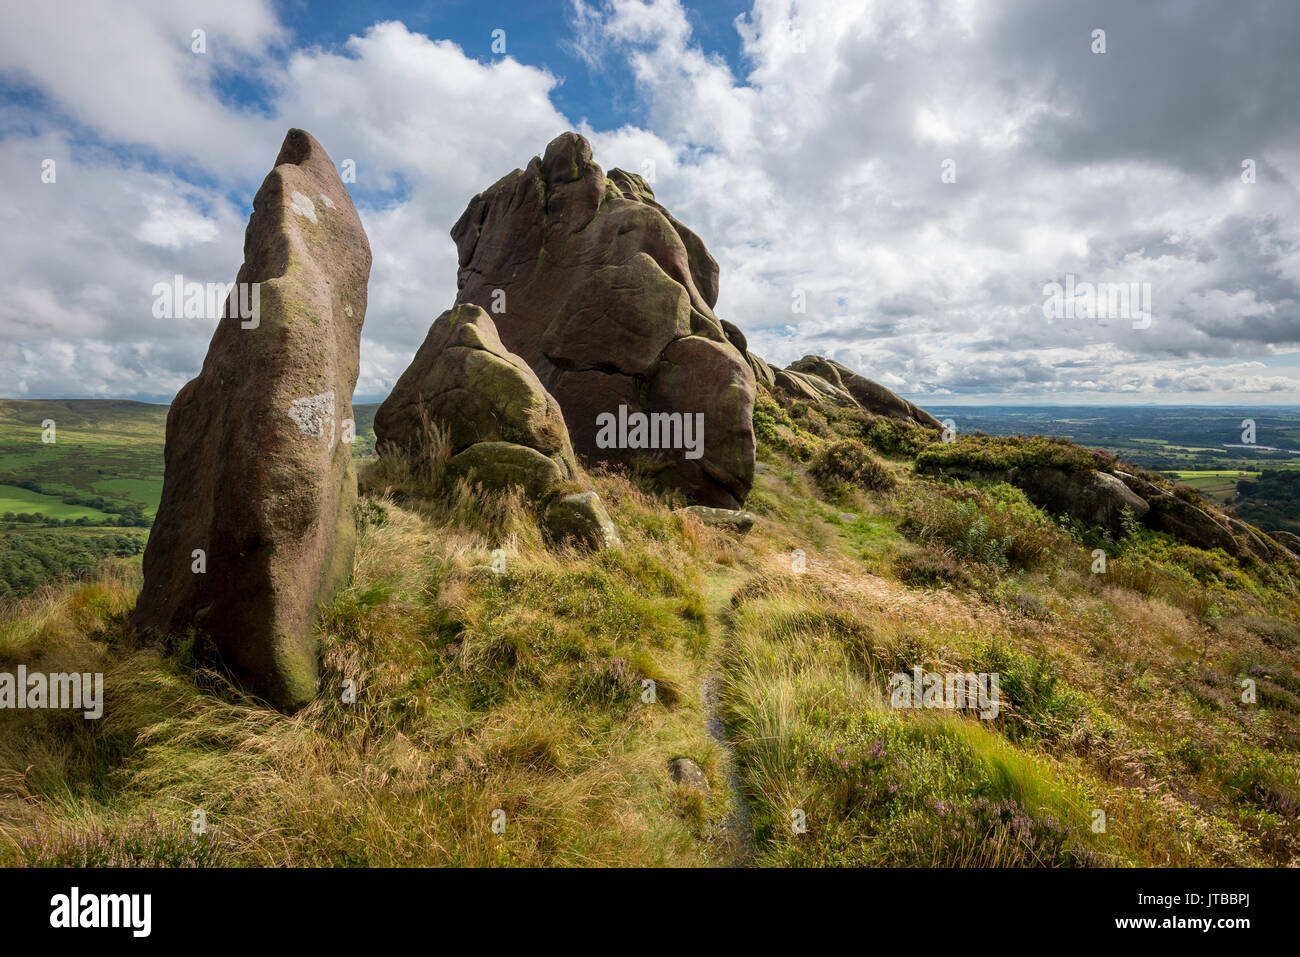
{"x":996,"y":453}
{"x":997,"y":526}
{"x":848,"y":463}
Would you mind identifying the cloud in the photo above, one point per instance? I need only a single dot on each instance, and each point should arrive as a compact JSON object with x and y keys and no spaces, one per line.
{"x":811,"y":166}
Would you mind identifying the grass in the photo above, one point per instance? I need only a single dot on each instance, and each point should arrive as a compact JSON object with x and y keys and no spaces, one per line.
{"x":494,"y":676}
{"x":21,"y":500}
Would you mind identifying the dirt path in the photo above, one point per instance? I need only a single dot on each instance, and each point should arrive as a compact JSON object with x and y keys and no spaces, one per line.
{"x":737,"y":834}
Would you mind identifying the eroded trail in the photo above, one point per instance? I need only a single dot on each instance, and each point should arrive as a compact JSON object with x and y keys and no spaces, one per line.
{"x":737,"y":837}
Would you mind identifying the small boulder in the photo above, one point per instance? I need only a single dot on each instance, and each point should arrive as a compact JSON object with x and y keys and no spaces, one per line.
{"x":580,"y":519}
{"x":687,"y":773}
{"x":732,"y":520}
{"x":464,"y":379}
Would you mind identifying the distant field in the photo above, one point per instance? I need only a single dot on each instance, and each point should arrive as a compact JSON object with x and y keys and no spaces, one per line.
{"x":20,"y":500}
{"x":107,"y":448}
{"x":1219,"y":485}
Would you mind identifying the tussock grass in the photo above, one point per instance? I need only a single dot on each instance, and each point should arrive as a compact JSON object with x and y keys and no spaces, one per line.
{"x":493,"y":674}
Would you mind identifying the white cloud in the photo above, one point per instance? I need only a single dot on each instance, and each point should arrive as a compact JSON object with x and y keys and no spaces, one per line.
{"x":812,"y":165}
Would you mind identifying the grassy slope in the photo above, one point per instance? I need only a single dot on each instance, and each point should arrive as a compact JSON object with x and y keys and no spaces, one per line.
{"x":522,"y":692}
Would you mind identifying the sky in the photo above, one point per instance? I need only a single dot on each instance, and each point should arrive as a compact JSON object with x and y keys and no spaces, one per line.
{"x":893,"y":184}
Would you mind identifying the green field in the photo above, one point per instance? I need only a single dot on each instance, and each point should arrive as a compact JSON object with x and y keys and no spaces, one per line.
{"x":110,"y":449}
{"x":19,"y":500}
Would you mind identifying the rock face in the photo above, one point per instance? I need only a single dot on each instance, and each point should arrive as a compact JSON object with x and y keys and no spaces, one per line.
{"x":1288,"y":540}
{"x":739,"y":522}
{"x":256,"y":526}
{"x":501,"y":423}
{"x":1093,"y":497}
{"x":503,"y":427}
{"x":1182,"y":519}
{"x":609,"y":300}
{"x":871,"y":396}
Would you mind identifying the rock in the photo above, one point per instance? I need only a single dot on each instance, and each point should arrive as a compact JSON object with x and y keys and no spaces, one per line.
{"x":579,"y":519}
{"x":1098,"y":499}
{"x":609,"y":300}
{"x":465,"y":380}
{"x":687,"y":773}
{"x":732,"y":520}
{"x":498,"y":466}
{"x":812,"y":388}
{"x":762,"y":371}
{"x":1252,"y":539}
{"x":257,"y":475}
{"x":503,"y":428}
{"x":1094,"y":498}
{"x":1180,"y":518}
{"x":871,"y":396}
{"x":1288,"y":541}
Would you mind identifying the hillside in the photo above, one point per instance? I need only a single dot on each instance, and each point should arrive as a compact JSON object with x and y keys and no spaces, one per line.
{"x":514,"y":681}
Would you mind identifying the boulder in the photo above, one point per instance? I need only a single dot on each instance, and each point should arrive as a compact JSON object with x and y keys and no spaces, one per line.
{"x":256,"y":526}
{"x":687,"y":773}
{"x":870,"y":395}
{"x":503,"y":428}
{"x":762,"y":371}
{"x":1288,"y":540}
{"x":609,"y":300}
{"x":812,"y":388}
{"x":730,"y":520}
{"x":1180,"y":518}
{"x":463,"y":379}
{"x":579,"y":519}
{"x":1095,"y":498}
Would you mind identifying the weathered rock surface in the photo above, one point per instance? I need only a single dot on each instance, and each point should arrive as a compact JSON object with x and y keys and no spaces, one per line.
{"x":812,"y":388}
{"x":1095,"y":498}
{"x":733,"y":520}
{"x":1182,"y":519}
{"x":257,"y":473}
{"x":1288,"y":540}
{"x":687,"y":773}
{"x":503,"y":428}
{"x":610,"y":301}
{"x":762,"y":371}
{"x":579,"y":519}
{"x":463,"y":379}
{"x":870,"y":395}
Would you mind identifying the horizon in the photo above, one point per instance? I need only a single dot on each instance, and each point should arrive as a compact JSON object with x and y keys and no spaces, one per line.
{"x":948,"y":244}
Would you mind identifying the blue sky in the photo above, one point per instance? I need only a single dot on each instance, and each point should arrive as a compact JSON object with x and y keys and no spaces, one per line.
{"x":807,"y":141}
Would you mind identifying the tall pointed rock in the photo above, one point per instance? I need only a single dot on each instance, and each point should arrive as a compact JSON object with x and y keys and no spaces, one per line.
{"x":256,"y":526}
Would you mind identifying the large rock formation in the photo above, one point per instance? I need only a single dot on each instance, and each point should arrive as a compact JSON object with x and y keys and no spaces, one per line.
{"x":503,"y":428}
{"x":610,"y":300}
{"x":1093,"y":497}
{"x":871,"y":396}
{"x":256,"y":526}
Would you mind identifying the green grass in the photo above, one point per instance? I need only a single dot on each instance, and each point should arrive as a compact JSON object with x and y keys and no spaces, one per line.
{"x":20,"y":500}
{"x":523,"y":691}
